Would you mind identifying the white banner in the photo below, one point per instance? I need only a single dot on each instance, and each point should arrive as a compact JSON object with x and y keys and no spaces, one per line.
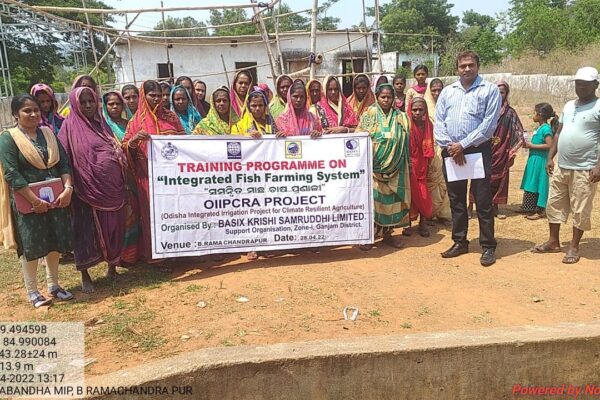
{"x":224,"y":194}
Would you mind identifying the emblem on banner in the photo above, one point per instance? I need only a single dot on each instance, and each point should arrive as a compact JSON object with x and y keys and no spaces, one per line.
{"x":351,"y":148}
{"x":169,"y":152}
{"x":234,"y":150}
{"x":293,"y":149}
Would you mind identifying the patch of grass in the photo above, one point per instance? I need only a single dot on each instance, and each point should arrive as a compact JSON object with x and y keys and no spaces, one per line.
{"x":484,"y":317}
{"x":423,"y":311}
{"x":375,"y":313}
{"x":227,"y":343}
{"x":193,"y":288}
{"x":406,"y":325}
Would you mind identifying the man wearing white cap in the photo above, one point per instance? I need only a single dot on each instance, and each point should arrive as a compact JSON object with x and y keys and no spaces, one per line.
{"x":573,"y":184}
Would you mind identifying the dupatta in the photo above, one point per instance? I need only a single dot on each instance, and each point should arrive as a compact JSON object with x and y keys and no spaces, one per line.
{"x":248,"y":123}
{"x":53,"y":120}
{"x":359,"y":106}
{"x":332,"y":115}
{"x":212,"y":124}
{"x":116,"y":129}
{"x":237,"y":104}
{"x":297,"y":123}
{"x":190,"y":119}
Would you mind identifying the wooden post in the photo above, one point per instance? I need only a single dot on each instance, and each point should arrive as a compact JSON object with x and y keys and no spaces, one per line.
{"x":282,"y":68}
{"x":379,"y":61}
{"x":313,"y":36}
{"x":108,"y":64}
{"x":368,"y":69}
{"x":350,"y":49}
{"x":91,"y":35}
{"x":265,"y":37}
{"x":162,"y":13}
{"x":129,"y":49}
{"x":226,"y":74}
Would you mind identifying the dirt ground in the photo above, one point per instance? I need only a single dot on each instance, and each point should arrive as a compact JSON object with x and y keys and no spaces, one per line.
{"x":153,"y":312}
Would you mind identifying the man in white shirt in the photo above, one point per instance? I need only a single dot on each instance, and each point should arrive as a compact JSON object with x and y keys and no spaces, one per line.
{"x":573,"y":184}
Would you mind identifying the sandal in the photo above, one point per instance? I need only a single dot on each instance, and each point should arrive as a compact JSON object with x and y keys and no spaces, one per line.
{"x":501,"y":216}
{"x":365,"y":247}
{"x":252,"y":256}
{"x":60,"y":294}
{"x":393,"y":241}
{"x":407,"y":231}
{"x":543,"y":248}
{"x":40,"y":301}
{"x":534,"y":217}
{"x":423,"y":231}
{"x":571,"y":257}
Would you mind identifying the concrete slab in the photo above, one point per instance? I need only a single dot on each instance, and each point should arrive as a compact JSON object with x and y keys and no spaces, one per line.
{"x":483,"y":364}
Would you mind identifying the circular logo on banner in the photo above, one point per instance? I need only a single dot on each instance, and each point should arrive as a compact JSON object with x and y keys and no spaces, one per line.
{"x":351,"y":144}
{"x":293,"y":148}
{"x":234,"y":149}
{"x":169,"y":152}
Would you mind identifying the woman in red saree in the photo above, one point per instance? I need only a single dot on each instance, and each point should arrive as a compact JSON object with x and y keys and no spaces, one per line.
{"x":507,"y":140}
{"x":362,"y":96}
{"x":296,"y":120}
{"x":333,"y":110}
{"x":99,"y":167}
{"x":151,"y":118}
{"x":421,"y":153}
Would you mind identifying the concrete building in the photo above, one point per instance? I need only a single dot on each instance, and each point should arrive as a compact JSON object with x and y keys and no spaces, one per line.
{"x":394,"y":60}
{"x":200,"y":58}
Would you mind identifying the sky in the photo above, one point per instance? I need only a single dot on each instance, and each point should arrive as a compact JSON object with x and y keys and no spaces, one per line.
{"x":348,"y":10}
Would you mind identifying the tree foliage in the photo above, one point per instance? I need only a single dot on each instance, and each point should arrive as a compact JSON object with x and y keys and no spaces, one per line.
{"x":229,"y":16}
{"x":179,"y":23}
{"x":38,"y":57}
{"x":415,"y":17}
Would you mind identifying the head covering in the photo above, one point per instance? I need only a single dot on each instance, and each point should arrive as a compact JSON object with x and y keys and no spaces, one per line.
{"x":431,"y":102}
{"x":52,"y":120}
{"x":297,"y":122}
{"x":80,"y":78}
{"x":117,"y":130}
{"x":588,"y":74}
{"x":212,"y":124}
{"x":190,"y":119}
{"x":277,"y":104}
{"x":97,"y":159}
{"x":201,"y":104}
{"x":418,"y":138}
{"x":128,"y":111}
{"x":375,"y":81}
{"x":358,"y":106}
{"x":331,"y":114}
{"x":248,"y":123}
{"x":309,"y":101}
{"x":237,"y":104}
{"x":266,"y":90}
{"x":505,"y":103}
{"x":159,"y":121}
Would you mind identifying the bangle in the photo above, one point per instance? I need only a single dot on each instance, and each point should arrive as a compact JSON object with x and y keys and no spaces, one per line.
{"x":38,"y":205}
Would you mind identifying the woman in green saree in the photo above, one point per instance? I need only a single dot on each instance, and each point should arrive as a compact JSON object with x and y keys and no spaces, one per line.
{"x":389,"y":130}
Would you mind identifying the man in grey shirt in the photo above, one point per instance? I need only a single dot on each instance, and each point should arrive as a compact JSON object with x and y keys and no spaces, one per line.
{"x":466,"y":115}
{"x":573,"y":184}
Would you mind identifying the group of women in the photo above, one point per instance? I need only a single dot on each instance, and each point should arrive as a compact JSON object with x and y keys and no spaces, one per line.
{"x":98,"y":148}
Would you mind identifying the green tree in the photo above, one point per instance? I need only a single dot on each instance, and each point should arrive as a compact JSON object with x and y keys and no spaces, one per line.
{"x":229,"y":16}
{"x":416,"y":17}
{"x":178,"y":23}
{"x":295,"y":22}
{"x":478,"y":33}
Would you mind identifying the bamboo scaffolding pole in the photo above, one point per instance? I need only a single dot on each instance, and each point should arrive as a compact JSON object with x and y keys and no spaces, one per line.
{"x":129,"y":50}
{"x":366,"y":37}
{"x":226,"y":73}
{"x":91,"y":35}
{"x":265,"y":36}
{"x":313,"y":36}
{"x":379,"y":61}
{"x":162,"y":15}
{"x":140,"y":10}
{"x":350,"y":50}
{"x":282,"y":68}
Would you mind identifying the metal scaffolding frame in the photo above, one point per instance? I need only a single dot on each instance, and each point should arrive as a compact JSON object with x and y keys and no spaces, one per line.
{"x":32,"y":23}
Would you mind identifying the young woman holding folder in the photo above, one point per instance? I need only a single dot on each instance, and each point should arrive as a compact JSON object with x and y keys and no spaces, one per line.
{"x":30,"y":154}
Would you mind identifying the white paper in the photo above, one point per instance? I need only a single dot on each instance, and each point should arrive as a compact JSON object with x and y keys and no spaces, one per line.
{"x":473,"y":169}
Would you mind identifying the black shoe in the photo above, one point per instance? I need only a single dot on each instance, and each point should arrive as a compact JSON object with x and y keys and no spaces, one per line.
{"x":456,"y":250}
{"x":488,"y":257}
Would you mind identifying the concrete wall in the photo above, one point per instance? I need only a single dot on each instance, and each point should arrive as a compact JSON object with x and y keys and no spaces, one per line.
{"x":202,"y":61}
{"x":452,"y":365}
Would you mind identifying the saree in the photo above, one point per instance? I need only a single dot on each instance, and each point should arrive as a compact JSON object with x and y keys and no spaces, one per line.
{"x":238,"y":104}
{"x":421,"y":154}
{"x":360,"y":106}
{"x":391,"y":180}
{"x":77,"y":83}
{"x":52,"y":120}
{"x":332,"y":115}
{"x":190,"y":119}
{"x":212,"y":124}
{"x":99,"y":198}
{"x":248,"y":123}
{"x":506,"y":141}
{"x":159,"y":121}
{"x":295,"y":123}
{"x":277,"y":104}
{"x":117,"y":130}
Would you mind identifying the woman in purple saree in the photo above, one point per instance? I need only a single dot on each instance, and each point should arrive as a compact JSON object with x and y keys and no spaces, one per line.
{"x":99,"y":166}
